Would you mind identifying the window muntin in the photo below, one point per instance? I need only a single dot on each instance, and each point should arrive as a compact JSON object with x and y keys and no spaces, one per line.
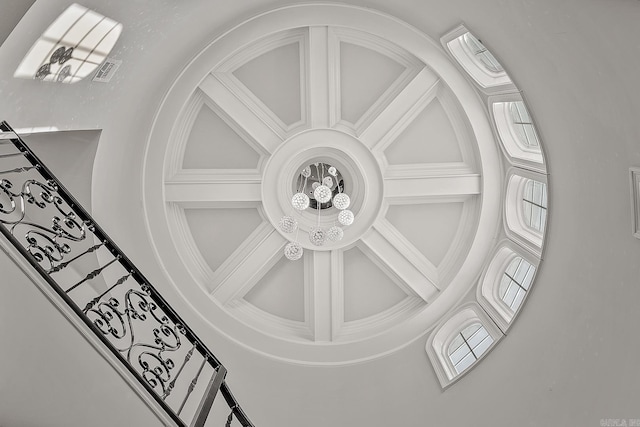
{"x":481,"y":53}
{"x":73,"y":46}
{"x":515,"y":282}
{"x":534,"y":202}
{"x":468,"y":346}
{"x":523,"y":126}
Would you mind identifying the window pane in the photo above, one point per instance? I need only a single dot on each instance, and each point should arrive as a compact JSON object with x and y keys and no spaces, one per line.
{"x":510,"y":294}
{"x":521,"y":272}
{"x":515,"y":304}
{"x":483,"y":346}
{"x":482,"y":54}
{"x":459,"y":354}
{"x":470,"y":330}
{"x":504,"y":285}
{"x":465,"y":363}
{"x":477,"y":338}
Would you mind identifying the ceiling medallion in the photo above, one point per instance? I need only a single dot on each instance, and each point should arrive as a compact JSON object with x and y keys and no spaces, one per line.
{"x":319,"y":186}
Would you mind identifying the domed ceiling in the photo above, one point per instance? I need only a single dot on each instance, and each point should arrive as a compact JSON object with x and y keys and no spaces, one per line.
{"x":347,"y":87}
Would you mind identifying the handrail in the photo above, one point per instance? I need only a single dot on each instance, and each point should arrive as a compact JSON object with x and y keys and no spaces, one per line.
{"x":62,"y":242}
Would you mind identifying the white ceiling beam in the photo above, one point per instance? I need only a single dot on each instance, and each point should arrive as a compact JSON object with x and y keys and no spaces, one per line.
{"x":418,"y":185}
{"x":318,"y":82}
{"x":211,"y":188}
{"x":244,"y":269}
{"x":401,"y":111}
{"x":323,"y":273}
{"x":401,"y":260}
{"x":229,"y":102}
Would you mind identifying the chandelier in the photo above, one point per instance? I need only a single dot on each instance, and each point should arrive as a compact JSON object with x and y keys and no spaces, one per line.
{"x":319,"y":186}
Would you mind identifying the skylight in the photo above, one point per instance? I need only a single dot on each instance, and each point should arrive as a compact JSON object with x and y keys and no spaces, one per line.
{"x":73,"y":46}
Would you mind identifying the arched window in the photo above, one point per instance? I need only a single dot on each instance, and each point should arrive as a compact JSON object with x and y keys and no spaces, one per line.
{"x":71,"y":48}
{"x":515,"y":282}
{"x":506,"y":282}
{"x":526,"y":208}
{"x":460,"y":341}
{"x":517,"y":131}
{"x":534,"y":202}
{"x":477,"y":60}
{"x":487,"y":59}
{"x":468,"y":346}
{"x":523,"y":125}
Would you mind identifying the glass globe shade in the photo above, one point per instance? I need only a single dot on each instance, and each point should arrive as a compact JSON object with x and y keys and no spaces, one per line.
{"x":287,"y":224}
{"x":327,"y":181}
{"x":341,"y":201}
{"x":293,"y":251}
{"x":322,"y":194}
{"x":300,"y":201}
{"x":335,"y":233}
{"x":345,"y":217}
{"x":317,"y":236}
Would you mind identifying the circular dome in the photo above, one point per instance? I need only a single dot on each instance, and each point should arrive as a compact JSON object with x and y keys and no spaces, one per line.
{"x":402,"y":128}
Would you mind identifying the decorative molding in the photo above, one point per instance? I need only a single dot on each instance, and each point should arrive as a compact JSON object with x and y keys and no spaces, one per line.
{"x":225,"y":73}
{"x":401,"y":111}
{"x":441,"y":337}
{"x":514,"y":151}
{"x":235,"y":101}
{"x":513,"y":210}
{"x":269,"y":323}
{"x":488,"y":288}
{"x":634,"y":175}
{"x":214,"y":188}
{"x":377,"y":44}
{"x":394,"y":254}
{"x":485,"y":79}
{"x":387,"y":319}
{"x":369,"y":339}
{"x":247,"y":264}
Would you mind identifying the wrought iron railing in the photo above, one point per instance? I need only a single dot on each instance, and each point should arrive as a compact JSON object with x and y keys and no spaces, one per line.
{"x":106,"y":290}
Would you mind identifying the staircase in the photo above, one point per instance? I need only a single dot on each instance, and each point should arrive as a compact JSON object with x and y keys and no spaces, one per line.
{"x":104,"y":294}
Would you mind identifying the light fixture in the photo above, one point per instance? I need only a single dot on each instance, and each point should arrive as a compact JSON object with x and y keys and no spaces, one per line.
{"x":319,"y":186}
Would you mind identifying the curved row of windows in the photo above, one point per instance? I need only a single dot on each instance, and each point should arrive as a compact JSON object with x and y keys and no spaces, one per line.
{"x":465,"y":337}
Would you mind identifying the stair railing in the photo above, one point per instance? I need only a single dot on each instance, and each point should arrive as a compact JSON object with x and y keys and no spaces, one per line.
{"x":101,"y":285}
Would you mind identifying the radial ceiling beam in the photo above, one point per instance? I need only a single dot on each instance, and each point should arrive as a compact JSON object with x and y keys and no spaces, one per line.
{"x":415,"y":186}
{"x":318,"y":82}
{"x":323,"y":272}
{"x":401,"y":260}
{"x":209,"y":188}
{"x":401,"y":111}
{"x":244,"y":269}
{"x":228,"y":100}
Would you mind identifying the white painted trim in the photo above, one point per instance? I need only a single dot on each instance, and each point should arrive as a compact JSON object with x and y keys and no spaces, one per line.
{"x":488,"y":288}
{"x":412,"y":65}
{"x":515,"y":152}
{"x":281,"y":347}
{"x":634,"y":176}
{"x":441,"y":337}
{"x":514,"y":222}
{"x":486,"y":79}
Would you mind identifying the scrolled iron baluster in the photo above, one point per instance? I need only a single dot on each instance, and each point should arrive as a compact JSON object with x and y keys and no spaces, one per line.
{"x":173,"y":381}
{"x":94,"y":301}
